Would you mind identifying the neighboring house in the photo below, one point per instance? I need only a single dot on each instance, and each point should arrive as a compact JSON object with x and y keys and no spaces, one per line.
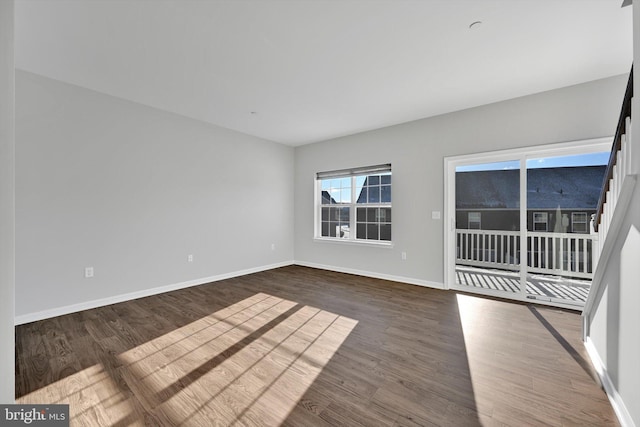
{"x":327,"y":199}
{"x":560,"y":200}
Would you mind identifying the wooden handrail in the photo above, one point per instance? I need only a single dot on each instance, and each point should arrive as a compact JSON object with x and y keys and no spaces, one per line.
{"x":617,"y":145}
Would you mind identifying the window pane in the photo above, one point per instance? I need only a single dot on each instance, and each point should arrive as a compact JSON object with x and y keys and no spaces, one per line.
{"x":373,"y":180}
{"x":372,"y":231}
{"x":386,"y":215}
{"x":371,"y":214}
{"x":333,"y":226}
{"x":540,"y":226}
{"x":345,"y":195}
{"x":345,"y":183}
{"x":385,"y":179}
{"x":325,"y":214}
{"x":360,"y":180}
{"x":344,"y":215}
{"x":361,"y":231}
{"x":326,"y":198}
{"x":335,"y":196}
{"x":374,"y":194}
{"x":362,"y":195}
{"x":579,"y":227}
{"x":540,"y":216}
{"x":361,"y":215}
{"x":474,"y":221}
{"x":580,"y":223}
{"x":385,"y":191}
{"x":325,"y":229}
{"x":580,"y":216}
{"x":325,"y":184}
{"x":385,"y":232}
{"x":540,"y":221}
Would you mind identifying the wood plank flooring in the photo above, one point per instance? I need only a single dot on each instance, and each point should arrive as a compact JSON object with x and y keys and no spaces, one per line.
{"x":297,"y":346}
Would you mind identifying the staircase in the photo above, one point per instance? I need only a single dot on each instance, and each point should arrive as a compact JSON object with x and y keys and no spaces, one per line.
{"x":620,"y":181}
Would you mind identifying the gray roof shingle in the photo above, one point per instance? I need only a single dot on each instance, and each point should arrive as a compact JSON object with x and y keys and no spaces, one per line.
{"x":547,"y":188}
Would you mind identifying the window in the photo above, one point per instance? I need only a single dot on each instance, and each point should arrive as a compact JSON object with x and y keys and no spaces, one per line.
{"x":579,"y":223}
{"x":360,"y":197}
{"x":475,"y":221}
{"x":540,"y":221}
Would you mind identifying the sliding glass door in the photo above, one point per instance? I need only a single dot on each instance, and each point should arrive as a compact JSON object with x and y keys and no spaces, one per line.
{"x":520,"y":222}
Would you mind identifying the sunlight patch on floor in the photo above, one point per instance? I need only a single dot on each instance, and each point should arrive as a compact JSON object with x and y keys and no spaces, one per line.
{"x":472,"y":311}
{"x":248,"y":363}
{"x":251,"y":365}
{"x":92,"y":395}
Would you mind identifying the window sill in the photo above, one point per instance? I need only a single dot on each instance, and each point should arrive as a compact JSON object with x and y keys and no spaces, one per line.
{"x":378,"y":244}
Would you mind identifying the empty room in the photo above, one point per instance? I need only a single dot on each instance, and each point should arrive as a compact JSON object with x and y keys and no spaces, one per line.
{"x":319,"y":213}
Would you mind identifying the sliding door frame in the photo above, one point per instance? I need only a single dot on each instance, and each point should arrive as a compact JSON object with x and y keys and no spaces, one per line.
{"x":517,"y":154}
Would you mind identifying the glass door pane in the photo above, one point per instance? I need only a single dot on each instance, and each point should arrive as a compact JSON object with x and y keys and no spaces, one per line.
{"x":487,"y":235}
{"x":562,"y":195}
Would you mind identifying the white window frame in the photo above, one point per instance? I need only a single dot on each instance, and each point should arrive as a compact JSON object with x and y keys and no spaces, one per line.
{"x":545,"y":222}
{"x":574,"y":222}
{"x":353,"y":206}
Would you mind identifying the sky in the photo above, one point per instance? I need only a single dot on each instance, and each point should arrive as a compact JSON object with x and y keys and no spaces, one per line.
{"x":591,"y":159}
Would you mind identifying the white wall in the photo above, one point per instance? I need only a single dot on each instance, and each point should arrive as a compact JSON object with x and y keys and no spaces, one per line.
{"x":613,"y":330}
{"x":131,"y":191}
{"x":614,"y":324}
{"x":416,"y":151}
{"x":7,"y":146}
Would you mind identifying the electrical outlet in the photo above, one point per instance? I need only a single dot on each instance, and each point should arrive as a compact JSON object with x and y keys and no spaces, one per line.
{"x":435,"y":214}
{"x":190,"y":258}
{"x":273,"y":246}
{"x":404,"y":256}
{"x":88,"y":272}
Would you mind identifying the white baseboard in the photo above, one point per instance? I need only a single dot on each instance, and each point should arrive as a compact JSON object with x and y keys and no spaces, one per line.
{"x":616,"y":400}
{"x":73,"y":308}
{"x":401,"y":279}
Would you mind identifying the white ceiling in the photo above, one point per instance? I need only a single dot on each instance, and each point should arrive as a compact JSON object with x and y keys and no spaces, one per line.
{"x":317,"y":69}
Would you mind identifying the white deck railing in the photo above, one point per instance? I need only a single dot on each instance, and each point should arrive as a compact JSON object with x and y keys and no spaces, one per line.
{"x":561,"y":254}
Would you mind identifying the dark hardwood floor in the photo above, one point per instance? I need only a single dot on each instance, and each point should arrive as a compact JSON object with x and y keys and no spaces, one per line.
{"x":297,"y":346}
